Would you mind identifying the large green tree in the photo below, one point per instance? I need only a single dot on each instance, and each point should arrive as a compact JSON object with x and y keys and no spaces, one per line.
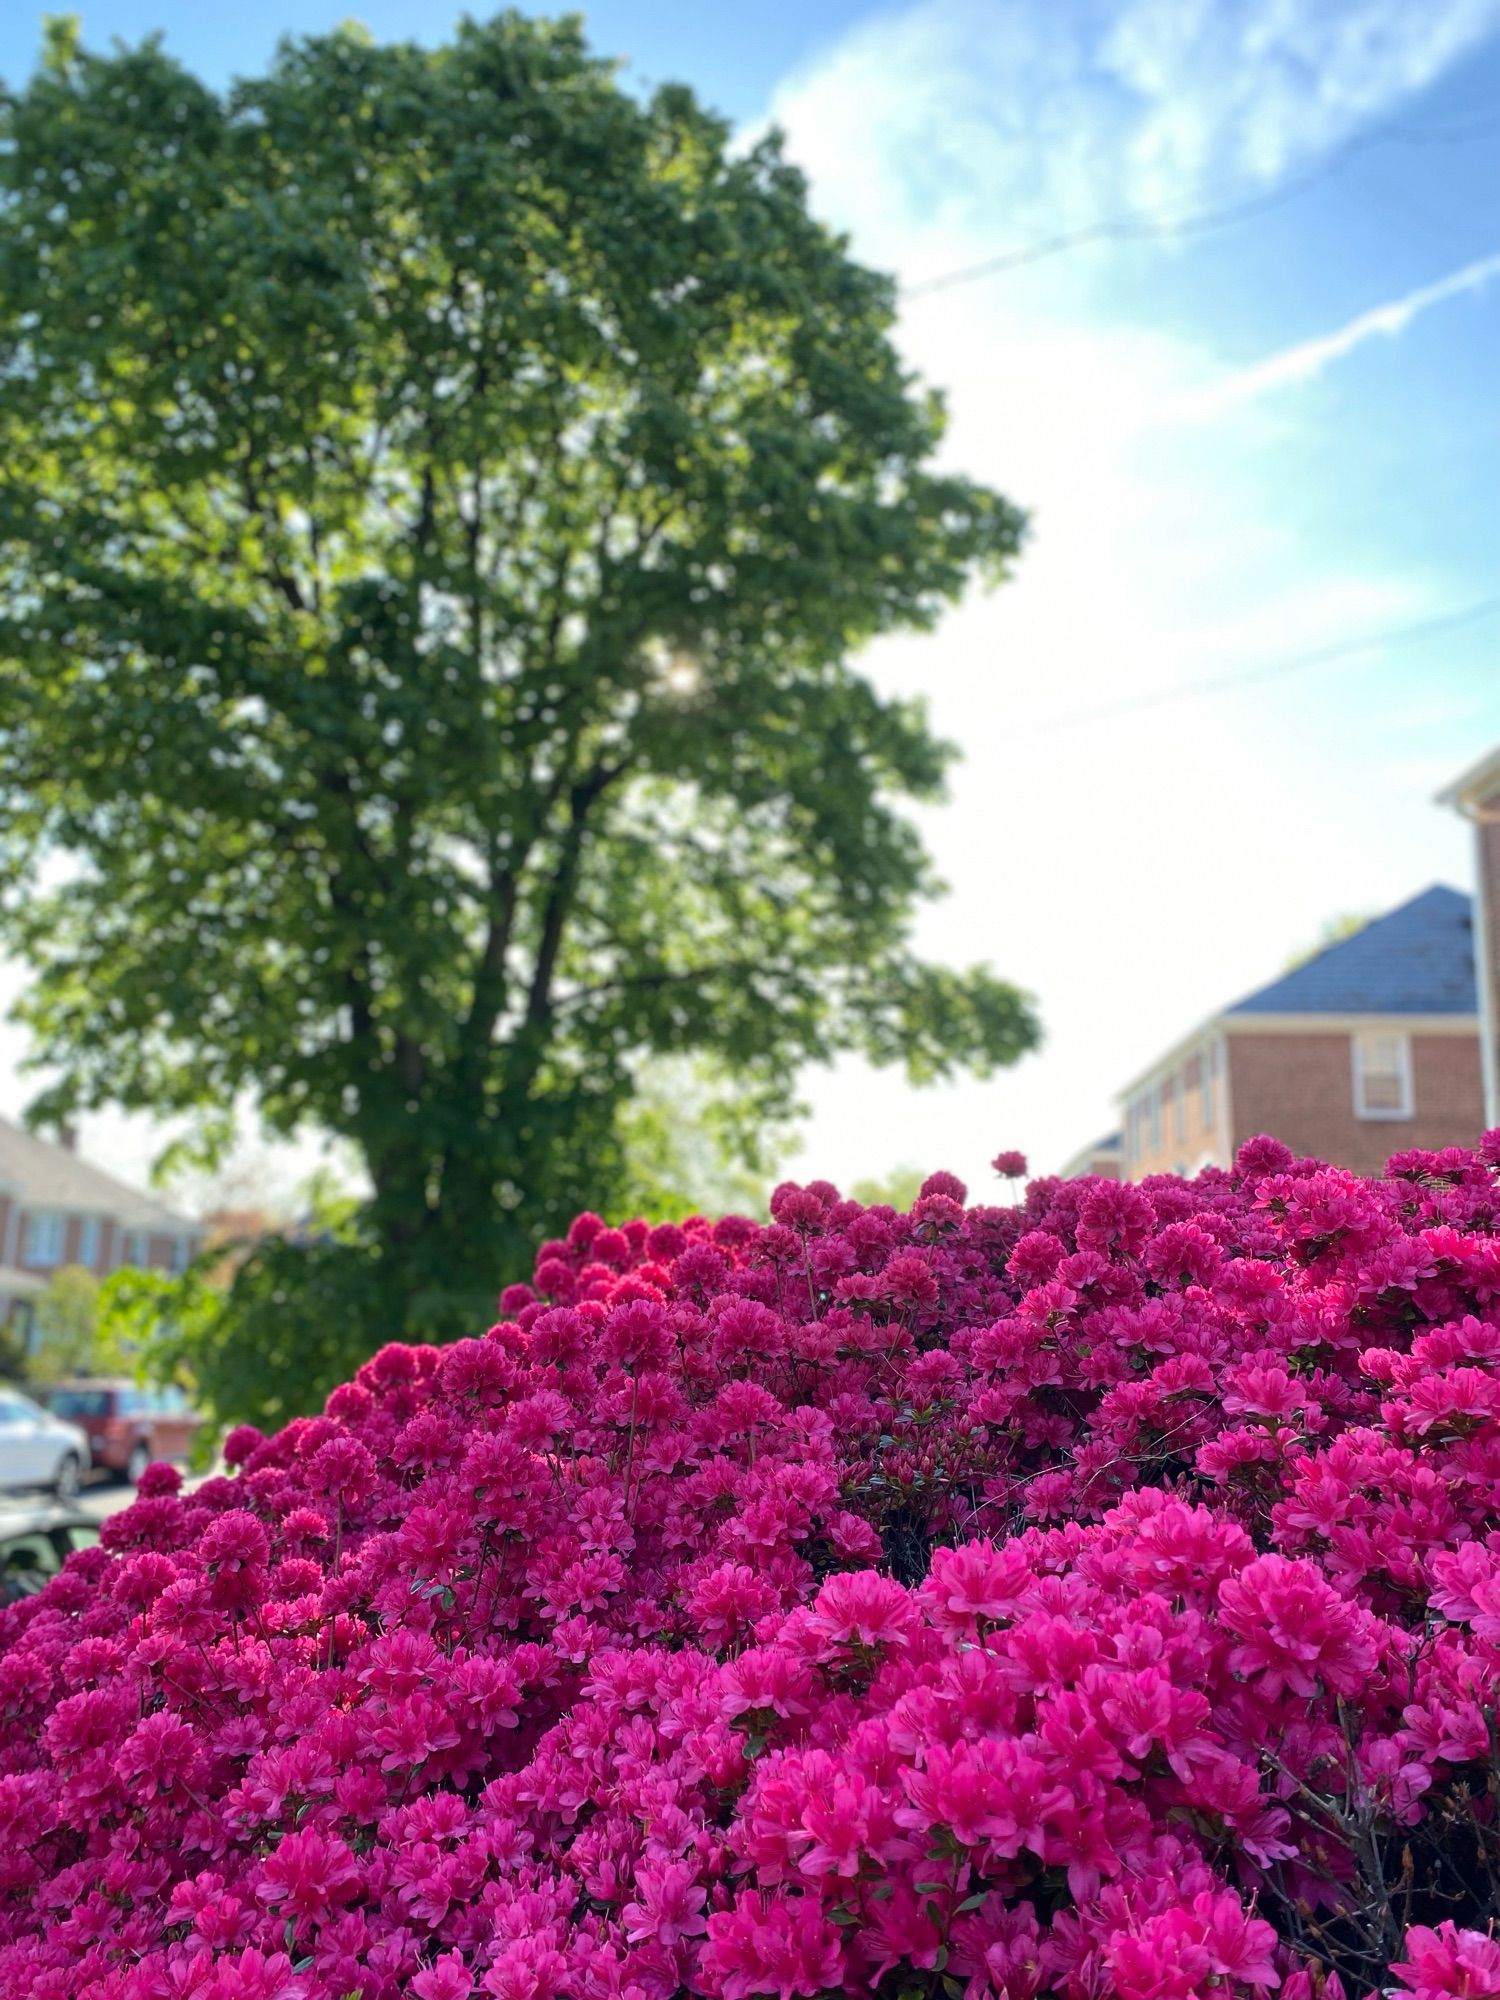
{"x":441,"y":497}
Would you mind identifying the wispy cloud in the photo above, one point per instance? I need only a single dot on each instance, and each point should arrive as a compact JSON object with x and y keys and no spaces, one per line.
{"x":1010,"y":116}
{"x":1307,"y":359}
{"x":1257,"y":86}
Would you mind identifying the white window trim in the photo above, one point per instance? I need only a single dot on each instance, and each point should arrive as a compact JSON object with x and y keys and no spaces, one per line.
{"x":1371,"y":1113}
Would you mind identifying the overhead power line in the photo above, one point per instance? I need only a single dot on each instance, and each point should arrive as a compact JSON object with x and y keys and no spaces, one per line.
{"x":1318,"y":656}
{"x":1190,"y":222}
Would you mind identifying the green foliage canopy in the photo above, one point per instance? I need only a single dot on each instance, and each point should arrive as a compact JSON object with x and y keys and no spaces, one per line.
{"x":440,"y":497}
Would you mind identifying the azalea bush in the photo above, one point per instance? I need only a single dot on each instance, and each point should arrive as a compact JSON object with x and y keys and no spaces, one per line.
{"x":1093,"y":1596}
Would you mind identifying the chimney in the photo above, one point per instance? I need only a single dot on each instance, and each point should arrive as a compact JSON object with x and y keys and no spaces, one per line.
{"x":1477,"y":796}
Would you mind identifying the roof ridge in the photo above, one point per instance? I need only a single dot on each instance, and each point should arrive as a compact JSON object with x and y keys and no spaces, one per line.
{"x":76,"y":1182}
{"x":1429,"y":971}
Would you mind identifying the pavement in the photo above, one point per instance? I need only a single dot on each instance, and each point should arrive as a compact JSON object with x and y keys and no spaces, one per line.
{"x":104,"y":1496}
{"x":100,"y":1497}
{"x":107,"y":1496}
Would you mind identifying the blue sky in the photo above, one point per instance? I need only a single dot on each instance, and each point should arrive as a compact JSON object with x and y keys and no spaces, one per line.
{"x":734,"y":57}
{"x":1241,"y":445}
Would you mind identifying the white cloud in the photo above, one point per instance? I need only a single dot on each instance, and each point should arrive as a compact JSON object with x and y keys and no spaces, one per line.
{"x":1257,"y":86}
{"x":1309,"y":358}
{"x":1007,"y":115}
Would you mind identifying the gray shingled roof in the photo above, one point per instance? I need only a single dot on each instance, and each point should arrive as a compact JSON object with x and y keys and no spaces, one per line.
{"x":43,"y":1175}
{"x":1418,"y":959}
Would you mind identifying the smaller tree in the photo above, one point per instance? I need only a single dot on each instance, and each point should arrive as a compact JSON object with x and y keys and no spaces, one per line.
{"x":67,"y":1326}
{"x":694,"y":1147}
{"x":13,"y":1356}
{"x":162,"y":1322}
{"x":1347,"y":924}
{"x":898,"y":1188}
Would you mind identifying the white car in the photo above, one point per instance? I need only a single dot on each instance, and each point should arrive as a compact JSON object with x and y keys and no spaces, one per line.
{"x":38,"y":1449}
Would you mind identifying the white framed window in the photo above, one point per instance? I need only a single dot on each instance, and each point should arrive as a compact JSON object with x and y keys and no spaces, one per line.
{"x":1206,"y":1084}
{"x":1179,"y":1108}
{"x":182,"y":1253}
{"x":133,"y":1247}
{"x":88,"y":1242}
{"x":46,"y":1231}
{"x":1153,"y":1099}
{"x":1382,"y":1076}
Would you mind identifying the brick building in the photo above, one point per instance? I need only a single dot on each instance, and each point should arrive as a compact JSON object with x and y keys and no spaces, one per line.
{"x":57,"y":1209}
{"x":1369,"y":1047}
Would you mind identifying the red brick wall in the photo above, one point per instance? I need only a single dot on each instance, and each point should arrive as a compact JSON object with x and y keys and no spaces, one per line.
{"x":1184,"y":1135}
{"x":1299,"y":1088}
{"x":155,"y":1247}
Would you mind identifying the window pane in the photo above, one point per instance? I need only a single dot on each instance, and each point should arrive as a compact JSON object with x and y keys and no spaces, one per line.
{"x":1382,"y":1076}
{"x":79,"y":1402}
{"x":43,"y":1241}
{"x":1382,"y":1092}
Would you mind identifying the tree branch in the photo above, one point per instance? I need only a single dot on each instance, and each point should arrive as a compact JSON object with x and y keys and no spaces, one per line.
{"x":651,"y":981}
{"x":581,"y":801}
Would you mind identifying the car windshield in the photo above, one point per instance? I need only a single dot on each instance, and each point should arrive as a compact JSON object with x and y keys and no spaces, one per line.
{"x":79,"y":1402}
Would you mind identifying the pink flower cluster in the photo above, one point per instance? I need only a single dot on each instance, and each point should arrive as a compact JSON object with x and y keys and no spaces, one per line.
{"x":1093,"y":1597}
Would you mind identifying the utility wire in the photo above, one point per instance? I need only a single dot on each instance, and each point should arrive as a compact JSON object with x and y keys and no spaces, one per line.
{"x":1344,"y":649}
{"x":1193,"y":221}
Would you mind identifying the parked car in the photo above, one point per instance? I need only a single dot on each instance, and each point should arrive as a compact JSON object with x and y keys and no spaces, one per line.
{"x":40,"y":1447}
{"x":127,"y":1426}
{"x":35,"y":1542}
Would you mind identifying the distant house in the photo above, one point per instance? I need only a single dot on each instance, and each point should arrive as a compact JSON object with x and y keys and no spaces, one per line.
{"x":56,"y":1209}
{"x":1102,"y":1159}
{"x":234,"y":1233}
{"x":1370,"y":1046}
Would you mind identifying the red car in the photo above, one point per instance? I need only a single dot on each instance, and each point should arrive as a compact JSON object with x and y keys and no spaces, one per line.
{"x":126,"y":1426}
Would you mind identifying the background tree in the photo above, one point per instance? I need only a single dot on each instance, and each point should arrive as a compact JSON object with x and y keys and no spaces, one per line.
{"x":899,"y":1188}
{"x":66,"y":1336}
{"x":440,"y":498}
{"x":688,"y":1148}
{"x":1348,"y":924}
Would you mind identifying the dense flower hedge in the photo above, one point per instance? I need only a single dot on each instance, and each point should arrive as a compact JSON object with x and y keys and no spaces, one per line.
{"x":1098,"y":1596}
